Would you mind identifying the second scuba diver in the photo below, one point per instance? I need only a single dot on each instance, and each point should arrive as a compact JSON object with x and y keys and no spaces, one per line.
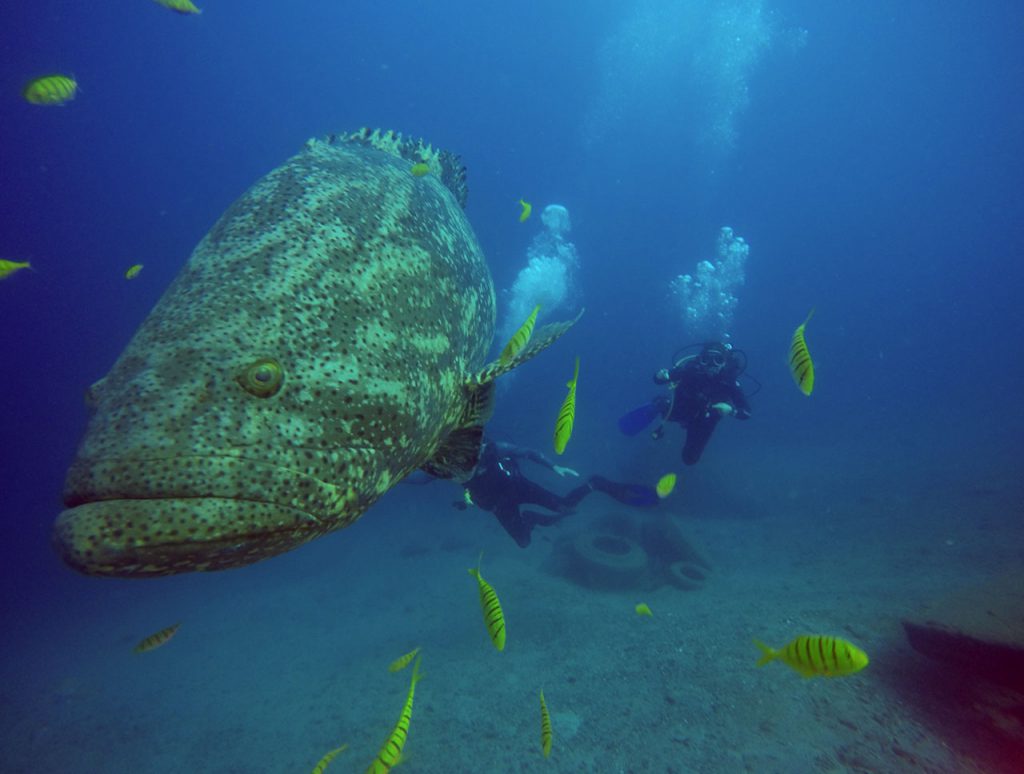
{"x":498,"y":485}
{"x":703,"y":388}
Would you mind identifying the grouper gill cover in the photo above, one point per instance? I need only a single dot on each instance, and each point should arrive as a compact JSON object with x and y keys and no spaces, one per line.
{"x":320,"y":343}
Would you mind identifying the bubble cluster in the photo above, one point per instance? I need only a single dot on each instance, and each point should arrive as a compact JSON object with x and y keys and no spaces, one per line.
{"x":549,"y":277}
{"x":707,"y":298}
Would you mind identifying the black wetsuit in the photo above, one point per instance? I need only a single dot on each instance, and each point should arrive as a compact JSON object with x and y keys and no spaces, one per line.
{"x":498,"y":485}
{"x":695,"y":392}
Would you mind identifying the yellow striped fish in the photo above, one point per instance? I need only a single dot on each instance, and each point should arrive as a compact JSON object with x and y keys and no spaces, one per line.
{"x":402,"y":662}
{"x":7,"y":268}
{"x":520,"y":337}
{"x":800,"y":363}
{"x":527,"y":209}
{"x":665,"y":485}
{"x":493,"y":617}
{"x":154,"y":641}
{"x":50,"y":90}
{"x":319,"y":768}
{"x":643,"y":608}
{"x":179,"y":6}
{"x":567,"y":414}
{"x":545,"y":727}
{"x":133,"y":271}
{"x":815,"y":655}
{"x":390,"y":754}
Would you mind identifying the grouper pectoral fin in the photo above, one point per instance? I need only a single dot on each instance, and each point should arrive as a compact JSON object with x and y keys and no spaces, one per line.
{"x":544,"y":338}
{"x":458,"y":454}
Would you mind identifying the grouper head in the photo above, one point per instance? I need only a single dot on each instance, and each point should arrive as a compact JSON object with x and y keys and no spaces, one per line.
{"x":313,"y":351}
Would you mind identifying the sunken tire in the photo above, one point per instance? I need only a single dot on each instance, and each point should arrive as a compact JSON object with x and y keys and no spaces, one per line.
{"x":687,"y":576}
{"x":607,"y":561}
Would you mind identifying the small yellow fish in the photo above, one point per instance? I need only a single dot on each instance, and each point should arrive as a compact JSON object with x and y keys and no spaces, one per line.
{"x":520,"y":337}
{"x":402,"y":662}
{"x":154,"y":641}
{"x":133,"y":271}
{"x":390,"y":754}
{"x":7,"y":268}
{"x":815,"y":655}
{"x":494,"y":618}
{"x":420,"y":169}
{"x":179,"y":6}
{"x":50,"y":90}
{"x":567,"y":414}
{"x":527,"y":209}
{"x":800,"y":363}
{"x":319,"y":768}
{"x":545,"y":727}
{"x":665,"y":485}
{"x":467,"y":497}
{"x":643,"y":609}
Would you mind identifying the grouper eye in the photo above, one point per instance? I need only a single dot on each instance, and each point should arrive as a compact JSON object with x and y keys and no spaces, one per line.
{"x":262,"y":378}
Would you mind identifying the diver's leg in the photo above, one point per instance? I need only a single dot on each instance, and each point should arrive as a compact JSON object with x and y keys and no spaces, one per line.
{"x":627,"y":494}
{"x":529,"y":492}
{"x":698,"y":433}
{"x":513,"y":522}
{"x":537,"y":519}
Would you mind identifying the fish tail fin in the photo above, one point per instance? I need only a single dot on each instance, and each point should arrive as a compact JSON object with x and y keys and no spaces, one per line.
{"x":547,"y":336}
{"x":475,"y":571}
{"x":810,"y":314}
{"x":768,"y":654}
{"x":417,"y":675}
{"x":452,"y":171}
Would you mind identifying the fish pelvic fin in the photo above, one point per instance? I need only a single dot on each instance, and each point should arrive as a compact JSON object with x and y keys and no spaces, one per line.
{"x":768,"y":654}
{"x":450,"y":168}
{"x":547,"y":336}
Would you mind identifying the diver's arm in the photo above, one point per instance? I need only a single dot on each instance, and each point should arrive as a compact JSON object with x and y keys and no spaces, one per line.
{"x":523,"y":453}
{"x":540,"y":459}
{"x":671,"y":376}
{"x":736,"y":404}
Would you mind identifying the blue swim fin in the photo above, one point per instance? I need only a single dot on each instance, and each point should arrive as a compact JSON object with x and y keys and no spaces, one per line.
{"x":638,"y":419}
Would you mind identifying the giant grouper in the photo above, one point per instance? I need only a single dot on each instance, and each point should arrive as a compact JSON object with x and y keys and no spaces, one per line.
{"x":326,"y":337}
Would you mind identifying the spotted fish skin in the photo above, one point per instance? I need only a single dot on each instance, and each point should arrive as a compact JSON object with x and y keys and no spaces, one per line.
{"x":368,"y":290}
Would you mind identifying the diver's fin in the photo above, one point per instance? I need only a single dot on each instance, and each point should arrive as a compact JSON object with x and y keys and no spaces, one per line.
{"x":457,"y":455}
{"x":448,"y":166}
{"x":547,"y":336}
{"x":638,"y":419}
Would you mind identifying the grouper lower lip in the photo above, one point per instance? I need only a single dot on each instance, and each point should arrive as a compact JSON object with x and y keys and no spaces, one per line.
{"x":166,"y":515}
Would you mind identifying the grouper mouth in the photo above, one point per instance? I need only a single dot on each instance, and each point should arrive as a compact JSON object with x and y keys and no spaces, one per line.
{"x":162,"y":516}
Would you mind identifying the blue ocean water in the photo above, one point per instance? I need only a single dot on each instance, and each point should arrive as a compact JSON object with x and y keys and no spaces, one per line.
{"x":869,"y":154}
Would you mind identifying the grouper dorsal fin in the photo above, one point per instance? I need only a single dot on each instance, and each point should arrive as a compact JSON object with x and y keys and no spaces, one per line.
{"x":448,"y":166}
{"x":547,"y":336}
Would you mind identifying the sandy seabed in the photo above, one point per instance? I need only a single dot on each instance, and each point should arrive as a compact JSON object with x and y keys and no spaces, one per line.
{"x":276,"y":664}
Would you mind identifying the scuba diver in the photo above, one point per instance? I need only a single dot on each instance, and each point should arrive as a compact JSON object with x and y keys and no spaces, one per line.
{"x":703,"y":388}
{"x":498,"y":485}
